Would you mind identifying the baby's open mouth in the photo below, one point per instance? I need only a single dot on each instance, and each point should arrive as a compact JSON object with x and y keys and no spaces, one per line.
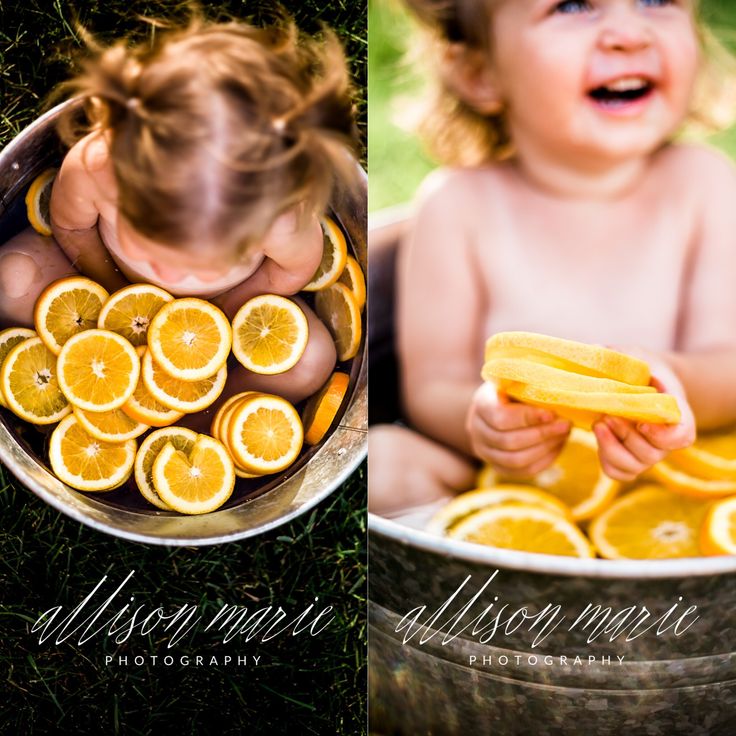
{"x":622,"y":91}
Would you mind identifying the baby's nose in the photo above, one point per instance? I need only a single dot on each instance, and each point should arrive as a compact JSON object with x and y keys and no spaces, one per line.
{"x":624,"y":29}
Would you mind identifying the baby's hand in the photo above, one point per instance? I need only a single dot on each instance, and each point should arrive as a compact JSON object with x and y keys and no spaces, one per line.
{"x":516,"y":439}
{"x":626,"y":448}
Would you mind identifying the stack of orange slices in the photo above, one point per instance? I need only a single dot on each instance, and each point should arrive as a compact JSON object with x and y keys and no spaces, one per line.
{"x":579,"y":382}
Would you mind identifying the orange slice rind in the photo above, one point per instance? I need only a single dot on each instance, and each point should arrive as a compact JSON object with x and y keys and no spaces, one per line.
{"x":196,"y":482}
{"x":109,"y":426}
{"x":337,"y":307}
{"x":352,"y":276}
{"x":9,"y":338}
{"x":86,"y":463}
{"x":38,"y":200}
{"x":334,"y":256}
{"x":718,"y":534}
{"x":130,"y":310}
{"x":30,"y":383}
{"x":684,"y":484}
{"x":190,"y":339}
{"x":322,"y":408}
{"x":66,"y":307}
{"x":649,"y":523}
{"x":270,"y":334}
{"x":525,"y":528}
{"x":180,"y":438}
{"x":98,"y":370}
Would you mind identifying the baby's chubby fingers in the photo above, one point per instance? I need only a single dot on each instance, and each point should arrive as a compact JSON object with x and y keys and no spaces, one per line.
{"x":617,"y":461}
{"x":527,"y":462}
{"x":634,"y":441}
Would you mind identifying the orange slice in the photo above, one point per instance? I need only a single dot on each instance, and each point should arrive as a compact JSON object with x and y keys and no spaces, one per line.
{"x":352,"y":276}
{"x":86,"y":463}
{"x":523,"y":527}
{"x":66,"y":307}
{"x":591,"y":360}
{"x":334,"y":256}
{"x":38,"y":199}
{"x":220,"y":429}
{"x":712,"y":457}
{"x":109,"y":426}
{"x":338,"y":309}
{"x":183,"y":396}
{"x":98,"y":370}
{"x":321,"y":409}
{"x":649,"y":523}
{"x":718,"y":535}
{"x":180,"y":438}
{"x":30,"y":383}
{"x":270,"y":334}
{"x":129,"y":311}
{"x":8,"y":340}
{"x":196,"y":482}
{"x":190,"y":339}
{"x":265,"y":434}
{"x":469,"y":502}
{"x":685,"y":484}
{"x":584,"y":407}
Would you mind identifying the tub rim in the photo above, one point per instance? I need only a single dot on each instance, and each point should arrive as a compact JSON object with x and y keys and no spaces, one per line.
{"x":549,"y":564}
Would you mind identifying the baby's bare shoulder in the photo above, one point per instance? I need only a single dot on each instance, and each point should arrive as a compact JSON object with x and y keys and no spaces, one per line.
{"x":453,"y":192}
{"x":699,"y":167}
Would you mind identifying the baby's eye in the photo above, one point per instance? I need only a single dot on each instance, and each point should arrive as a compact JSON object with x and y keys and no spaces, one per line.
{"x":572,"y":6}
{"x":655,"y":3}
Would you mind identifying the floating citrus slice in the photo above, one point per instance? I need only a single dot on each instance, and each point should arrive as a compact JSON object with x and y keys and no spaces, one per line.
{"x":180,"y":438}
{"x":38,"y":199}
{"x":685,"y":484}
{"x":184,"y":396}
{"x":66,"y":307}
{"x":334,"y":256}
{"x":649,"y":523}
{"x":352,"y":276}
{"x":321,"y":409}
{"x":98,"y":370}
{"x":469,"y":502}
{"x":196,"y":482}
{"x":109,"y":426}
{"x":86,"y":463}
{"x":523,"y":527}
{"x":712,"y":457}
{"x":718,"y":535}
{"x":30,"y":383}
{"x":130,"y":310}
{"x":591,"y":360}
{"x":8,"y":340}
{"x":584,"y":407}
{"x":577,"y":479}
{"x":190,"y":339}
{"x":220,"y":428}
{"x":265,"y":434}
{"x":270,"y":334}
{"x":338,"y":309}
{"x":519,"y":370}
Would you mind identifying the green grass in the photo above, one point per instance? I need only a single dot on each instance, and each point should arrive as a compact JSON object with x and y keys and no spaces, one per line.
{"x":397,"y":161}
{"x":309,"y":685}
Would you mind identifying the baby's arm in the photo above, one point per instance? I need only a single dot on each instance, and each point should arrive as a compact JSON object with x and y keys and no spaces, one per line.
{"x":441,"y":308}
{"x":74,"y":214}
{"x":292,"y":252}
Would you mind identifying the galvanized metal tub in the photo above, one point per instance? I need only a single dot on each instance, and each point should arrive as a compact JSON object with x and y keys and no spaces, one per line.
{"x":254,"y":507}
{"x":665,"y":684}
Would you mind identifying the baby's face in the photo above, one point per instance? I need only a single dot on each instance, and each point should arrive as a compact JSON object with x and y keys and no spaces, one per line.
{"x":594,"y":79}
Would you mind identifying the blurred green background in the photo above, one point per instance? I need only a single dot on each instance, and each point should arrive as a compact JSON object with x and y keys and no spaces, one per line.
{"x":396,"y":161}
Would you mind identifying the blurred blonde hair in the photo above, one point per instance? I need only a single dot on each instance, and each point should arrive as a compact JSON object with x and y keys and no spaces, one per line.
{"x":217,"y":128}
{"x":457,"y":134}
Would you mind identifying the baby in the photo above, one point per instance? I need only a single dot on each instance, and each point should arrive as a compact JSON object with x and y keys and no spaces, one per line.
{"x":201,"y":165}
{"x":568,"y":211}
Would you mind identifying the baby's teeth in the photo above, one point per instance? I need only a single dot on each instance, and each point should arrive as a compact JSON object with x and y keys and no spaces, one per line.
{"x":626,"y":84}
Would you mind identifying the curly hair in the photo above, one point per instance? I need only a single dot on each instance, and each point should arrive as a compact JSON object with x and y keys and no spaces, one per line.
{"x":217,"y":128}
